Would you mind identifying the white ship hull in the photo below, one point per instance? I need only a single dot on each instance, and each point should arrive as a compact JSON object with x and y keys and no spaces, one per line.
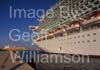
{"x":84,"y":43}
{"x":78,"y":33}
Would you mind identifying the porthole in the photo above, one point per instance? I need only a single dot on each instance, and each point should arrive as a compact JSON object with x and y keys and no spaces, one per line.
{"x":78,"y":36}
{"x":78,"y":41}
{"x":94,"y":33}
{"x":74,"y":37}
{"x":88,"y":41}
{"x":88,"y":35}
{"x":94,"y":40}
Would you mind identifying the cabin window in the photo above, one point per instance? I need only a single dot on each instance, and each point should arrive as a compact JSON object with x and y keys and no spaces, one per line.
{"x":94,"y":33}
{"x":86,"y":4}
{"x":88,"y":41}
{"x":78,"y":41}
{"x":96,"y":2}
{"x":82,"y":1}
{"x":99,"y":6}
{"x":79,"y":11}
{"x":89,"y":6}
{"x":94,"y":8}
{"x":78,"y":36}
{"x":50,"y":37}
{"x":43,"y":38}
{"x":83,"y":35}
{"x":84,"y":9}
{"x":88,"y":35}
{"x":92,"y":1}
{"x":74,"y":37}
{"x":86,"y":12}
{"x":83,"y":41}
{"x":94,"y":40}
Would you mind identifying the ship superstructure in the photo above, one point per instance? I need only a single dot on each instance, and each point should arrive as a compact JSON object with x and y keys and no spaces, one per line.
{"x":78,"y":32}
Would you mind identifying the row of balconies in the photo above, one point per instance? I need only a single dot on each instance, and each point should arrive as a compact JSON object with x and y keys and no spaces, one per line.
{"x":77,"y":10}
{"x":67,"y":27}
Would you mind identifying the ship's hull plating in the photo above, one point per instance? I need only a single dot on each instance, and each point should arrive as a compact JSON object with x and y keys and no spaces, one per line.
{"x":84,"y":43}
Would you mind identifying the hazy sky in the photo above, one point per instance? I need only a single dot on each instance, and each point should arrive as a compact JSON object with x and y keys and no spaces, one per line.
{"x":7,"y":23}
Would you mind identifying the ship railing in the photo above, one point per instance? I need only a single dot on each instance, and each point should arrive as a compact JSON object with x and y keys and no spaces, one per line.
{"x":73,"y":25}
{"x":93,"y":19}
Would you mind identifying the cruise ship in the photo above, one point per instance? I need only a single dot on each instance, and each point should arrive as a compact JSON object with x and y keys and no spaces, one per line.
{"x":78,"y":32}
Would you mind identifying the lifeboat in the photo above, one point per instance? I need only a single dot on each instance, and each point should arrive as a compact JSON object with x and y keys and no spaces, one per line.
{"x":98,"y":15}
{"x":74,"y":25}
{"x":50,"y":34}
{"x":92,"y":19}
{"x":58,"y":30}
{"x":77,"y":25}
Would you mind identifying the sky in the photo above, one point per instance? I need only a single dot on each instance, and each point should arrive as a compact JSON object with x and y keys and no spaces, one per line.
{"x":7,"y":23}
